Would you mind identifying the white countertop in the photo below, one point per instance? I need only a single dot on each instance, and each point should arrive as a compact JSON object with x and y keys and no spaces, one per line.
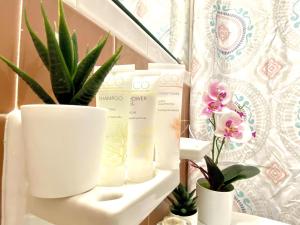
{"x":245,"y":219}
{"x":241,"y":219}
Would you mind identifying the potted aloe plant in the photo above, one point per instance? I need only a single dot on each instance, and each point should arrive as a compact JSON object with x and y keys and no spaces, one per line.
{"x":63,"y":138}
{"x":228,"y":122}
{"x":184,"y":204}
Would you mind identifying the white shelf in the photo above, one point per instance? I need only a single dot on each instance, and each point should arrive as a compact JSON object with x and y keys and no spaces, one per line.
{"x":193,"y":149}
{"x":126,"y":205}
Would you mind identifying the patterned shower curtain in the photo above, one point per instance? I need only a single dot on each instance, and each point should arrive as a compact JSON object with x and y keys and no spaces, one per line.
{"x":254,"y":46}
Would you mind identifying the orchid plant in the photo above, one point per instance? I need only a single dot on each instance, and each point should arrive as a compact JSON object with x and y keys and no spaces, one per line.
{"x":229,"y":125}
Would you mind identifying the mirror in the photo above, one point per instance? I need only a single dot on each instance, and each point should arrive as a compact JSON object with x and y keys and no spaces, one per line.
{"x":165,"y":21}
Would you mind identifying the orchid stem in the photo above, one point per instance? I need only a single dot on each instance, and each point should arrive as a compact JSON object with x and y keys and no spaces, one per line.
{"x":205,"y":174}
{"x":203,"y":171}
{"x":213,"y":148}
{"x":214,"y":139}
{"x":214,"y":121}
{"x":219,"y":150}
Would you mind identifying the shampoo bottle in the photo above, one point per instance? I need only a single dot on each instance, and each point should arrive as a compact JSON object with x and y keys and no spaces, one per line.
{"x":114,"y":95}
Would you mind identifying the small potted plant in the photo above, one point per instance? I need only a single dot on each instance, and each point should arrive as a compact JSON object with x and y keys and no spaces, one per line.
{"x":63,"y":137}
{"x":184,"y":204}
{"x":215,"y":190}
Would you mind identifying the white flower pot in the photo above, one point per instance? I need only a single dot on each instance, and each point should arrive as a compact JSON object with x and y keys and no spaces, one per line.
{"x":63,"y":145}
{"x":192,"y":220}
{"x":214,"y":208}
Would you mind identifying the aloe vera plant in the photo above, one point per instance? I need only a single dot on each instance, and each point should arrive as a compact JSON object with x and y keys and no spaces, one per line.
{"x":72,"y":82}
{"x":184,"y":203}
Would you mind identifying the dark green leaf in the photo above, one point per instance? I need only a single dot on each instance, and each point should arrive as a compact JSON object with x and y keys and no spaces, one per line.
{"x":60,"y":78}
{"x":192,"y":193}
{"x":181,"y":190}
{"x":75,"y":53}
{"x":227,"y":188}
{"x":65,"y":41}
{"x":38,"y":90}
{"x":86,"y":66}
{"x":194,"y":200}
{"x":204,"y":183}
{"x":92,"y":85}
{"x":188,"y":202}
{"x":177,"y":196}
{"x":183,"y":211}
{"x":216,"y":178}
{"x":238,"y":172}
{"x":38,"y":44}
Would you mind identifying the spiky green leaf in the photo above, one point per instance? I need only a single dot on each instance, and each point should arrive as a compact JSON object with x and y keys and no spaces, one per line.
{"x":183,"y":203}
{"x":86,"y":66}
{"x":37,"y":89}
{"x":60,"y":78}
{"x":194,"y":201}
{"x":38,"y":44}
{"x":178,"y":197}
{"x":85,"y":95}
{"x":75,"y":53}
{"x":65,"y":41}
{"x":191,"y":194}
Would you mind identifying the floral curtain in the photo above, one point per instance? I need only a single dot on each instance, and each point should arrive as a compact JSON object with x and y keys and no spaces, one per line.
{"x":254,"y":46}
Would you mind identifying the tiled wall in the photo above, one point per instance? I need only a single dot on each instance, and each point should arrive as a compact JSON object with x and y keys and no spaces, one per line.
{"x":9,"y":27}
{"x":88,"y":35}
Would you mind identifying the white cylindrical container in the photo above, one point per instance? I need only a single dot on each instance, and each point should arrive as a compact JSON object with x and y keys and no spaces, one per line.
{"x":168,"y":127}
{"x":141,"y":126}
{"x":63,"y":148}
{"x":209,"y":201}
{"x":114,"y":95}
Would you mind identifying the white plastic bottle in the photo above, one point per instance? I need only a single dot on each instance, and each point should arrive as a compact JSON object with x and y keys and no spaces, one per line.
{"x":167,"y":131}
{"x":141,"y":126}
{"x":114,"y":95}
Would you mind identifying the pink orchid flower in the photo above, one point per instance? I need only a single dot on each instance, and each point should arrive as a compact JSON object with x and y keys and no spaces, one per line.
{"x":230,"y":125}
{"x":219,"y":91}
{"x":212,"y":106}
{"x":216,"y":98}
{"x":235,"y":108}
